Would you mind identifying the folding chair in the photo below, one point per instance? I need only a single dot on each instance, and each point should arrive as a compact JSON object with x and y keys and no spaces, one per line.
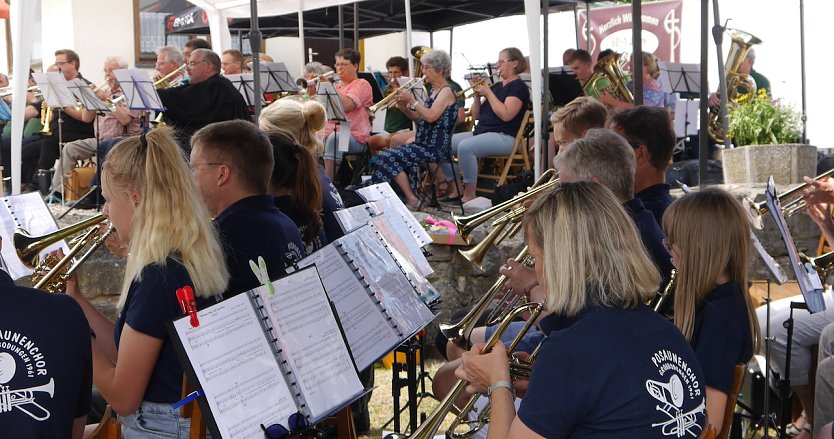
{"x":432,"y":191}
{"x":517,"y":160}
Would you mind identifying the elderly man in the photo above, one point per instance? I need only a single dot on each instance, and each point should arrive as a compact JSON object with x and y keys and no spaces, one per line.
{"x":120,"y":122}
{"x":207,"y":98}
{"x":168,"y":60}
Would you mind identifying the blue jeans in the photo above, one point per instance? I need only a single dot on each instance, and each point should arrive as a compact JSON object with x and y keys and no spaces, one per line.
{"x":155,"y":420}
{"x":331,"y":147}
{"x":469,"y":148}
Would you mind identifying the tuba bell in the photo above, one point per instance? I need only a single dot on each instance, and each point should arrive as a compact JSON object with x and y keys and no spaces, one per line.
{"x":608,"y":68}
{"x":417,"y":52}
{"x":740,"y":46}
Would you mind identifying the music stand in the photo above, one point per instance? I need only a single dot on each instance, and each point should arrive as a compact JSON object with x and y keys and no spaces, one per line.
{"x":56,"y":94}
{"x":564,"y":87}
{"x":245,"y":85}
{"x":137,"y":86}
{"x":375,"y":88}
{"x":278,"y":78}
{"x":683,"y":79}
{"x":418,"y":90}
{"x":86,"y":96}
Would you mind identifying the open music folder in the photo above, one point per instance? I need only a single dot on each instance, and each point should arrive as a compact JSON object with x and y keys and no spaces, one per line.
{"x":260,"y":358}
{"x":379,"y":297}
{"x":30,"y":213}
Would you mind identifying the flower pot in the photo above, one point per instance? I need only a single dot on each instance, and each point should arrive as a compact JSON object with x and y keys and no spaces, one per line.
{"x":787,"y":163}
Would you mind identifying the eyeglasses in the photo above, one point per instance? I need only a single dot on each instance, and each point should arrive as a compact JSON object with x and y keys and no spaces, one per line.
{"x":504,"y":61}
{"x":194,"y":63}
{"x":193,"y":166}
{"x":296,"y":422}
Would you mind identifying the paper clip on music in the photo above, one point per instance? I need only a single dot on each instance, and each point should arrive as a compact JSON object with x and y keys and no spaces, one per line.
{"x":185,"y":296}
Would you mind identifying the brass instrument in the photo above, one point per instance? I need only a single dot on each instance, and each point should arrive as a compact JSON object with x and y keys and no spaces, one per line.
{"x":741,"y":44}
{"x":429,"y":427}
{"x":304,"y":83}
{"x":822,"y":264}
{"x":24,"y":400}
{"x":458,"y":333}
{"x":663,"y":295}
{"x":8,"y":91}
{"x":417,"y":52}
{"x":477,"y":83}
{"x":166,"y":81}
{"x":391,"y":100}
{"x":46,"y":119}
{"x":792,"y":202}
{"x":29,"y":248}
{"x":608,"y":68}
{"x":55,"y":280}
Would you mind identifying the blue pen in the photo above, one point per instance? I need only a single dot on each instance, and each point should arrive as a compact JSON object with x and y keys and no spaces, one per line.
{"x":191,"y":397}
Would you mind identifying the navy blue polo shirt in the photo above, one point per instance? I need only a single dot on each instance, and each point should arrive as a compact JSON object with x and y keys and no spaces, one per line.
{"x":652,"y":236}
{"x":489,"y":122}
{"x":656,"y":199}
{"x":331,"y":201}
{"x":252,"y":227}
{"x":286,"y":205}
{"x":615,"y":373}
{"x":45,"y":353}
{"x":151,"y":302}
{"x":721,"y":336}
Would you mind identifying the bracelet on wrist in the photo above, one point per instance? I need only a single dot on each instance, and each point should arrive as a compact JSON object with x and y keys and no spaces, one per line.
{"x":498,"y":385}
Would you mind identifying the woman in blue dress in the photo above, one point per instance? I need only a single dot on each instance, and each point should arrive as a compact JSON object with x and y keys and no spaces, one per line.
{"x":435,"y":121}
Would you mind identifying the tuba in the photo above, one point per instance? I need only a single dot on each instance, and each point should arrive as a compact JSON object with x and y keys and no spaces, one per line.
{"x":740,"y":46}
{"x":608,"y":68}
{"x":417,"y":52}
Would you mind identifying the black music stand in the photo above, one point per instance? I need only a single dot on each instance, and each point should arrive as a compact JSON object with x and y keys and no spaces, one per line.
{"x":810,"y":285}
{"x":56,"y":94}
{"x":278,"y":78}
{"x":564,"y":87}
{"x":375,"y":88}
{"x":245,"y":85}
{"x":683,"y":79}
{"x":327,"y":95}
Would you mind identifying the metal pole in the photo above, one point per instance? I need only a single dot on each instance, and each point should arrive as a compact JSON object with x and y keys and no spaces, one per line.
{"x":408,"y":42}
{"x":802,"y":65}
{"x":718,"y":36}
{"x":301,"y":37}
{"x":703,"y":133}
{"x":637,"y":50}
{"x":587,"y":26}
{"x":341,"y":28}
{"x":545,"y":72}
{"x":255,"y":45}
{"x":356,"y":26}
{"x":576,"y":20}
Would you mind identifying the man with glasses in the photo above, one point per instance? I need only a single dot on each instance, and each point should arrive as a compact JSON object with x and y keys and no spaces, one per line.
{"x":232,"y":164}
{"x":232,"y":62}
{"x":207,"y":98}
{"x":169,"y":59}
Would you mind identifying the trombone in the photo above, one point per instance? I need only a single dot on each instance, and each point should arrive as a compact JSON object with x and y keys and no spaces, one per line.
{"x":429,"y":427}
{"x":49,"y":274}
{"x":391,"y":100}
{"x":792,"y":202}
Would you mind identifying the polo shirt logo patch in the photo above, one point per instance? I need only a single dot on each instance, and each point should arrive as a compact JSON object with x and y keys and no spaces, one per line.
{"x":673,"y":392}
{"x":32,"y":365}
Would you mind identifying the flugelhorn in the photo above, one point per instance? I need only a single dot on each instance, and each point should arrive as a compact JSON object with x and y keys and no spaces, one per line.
{"x":165,"y":81}
{"x":458,"y":333}
{"x":304,"y":83}
{"x":792,"y":202}
{"x":391,"y":100}
{"x":429,"y":427}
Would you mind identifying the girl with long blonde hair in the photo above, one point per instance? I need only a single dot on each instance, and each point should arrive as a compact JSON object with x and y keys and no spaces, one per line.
{"x":708,"y":236}
{"x":152,"y":203}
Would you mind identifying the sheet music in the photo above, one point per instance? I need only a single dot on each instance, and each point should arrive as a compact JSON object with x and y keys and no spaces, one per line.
{"x":236,"y":368}
{"x":808,"y":279}
{"x":144,"y":87}
{"x":311,"y":341}
{"x":687,"y":111}
{"x":326,"y":95}
{"x":369,"y":334}
{"x":418,"y":91}
{"x":679,"y":77}
{"x":278,"y":78}
{"x":408,"y":258}
{"x":53,"y":86}
{"x":29,"y":212}
{"x":386,"y":200}
{"x":352,"y":218}
{"x":86,"y":96}
{"x":386,"y":279}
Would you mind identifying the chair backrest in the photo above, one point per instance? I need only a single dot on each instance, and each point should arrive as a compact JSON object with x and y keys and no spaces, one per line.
{"x":738,"y":378}
{"x":108,"y":428}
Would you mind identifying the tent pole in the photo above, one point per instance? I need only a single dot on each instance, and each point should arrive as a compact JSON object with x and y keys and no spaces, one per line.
{"x":545,"y":73}
{"x":341,"y":27}
{"x":587,"y":25}
{"x":301,"y":37}
{"x":703,"y":132}
{"x":576,"y":20}
{"x":255,"y":44}
{"x":356,"y":26}
{"x":802,"y":65}
{"x":637,"y":50}
{"x":408,"y":42}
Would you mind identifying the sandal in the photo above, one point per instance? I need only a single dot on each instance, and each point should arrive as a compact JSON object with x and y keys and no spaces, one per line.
{"x":413,"y":207}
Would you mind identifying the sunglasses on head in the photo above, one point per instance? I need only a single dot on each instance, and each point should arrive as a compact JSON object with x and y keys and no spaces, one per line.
{"x":296,"y":423}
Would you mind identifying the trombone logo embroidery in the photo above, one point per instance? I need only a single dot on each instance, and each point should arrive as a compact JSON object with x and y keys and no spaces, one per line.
{"x":19,"y":356}
{"x":678,"y":384}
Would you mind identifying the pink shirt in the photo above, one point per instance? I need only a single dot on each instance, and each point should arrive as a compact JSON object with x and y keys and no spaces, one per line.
{"x":359,"y":91}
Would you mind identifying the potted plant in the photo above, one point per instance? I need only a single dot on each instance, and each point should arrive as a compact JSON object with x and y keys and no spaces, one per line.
{"x":765,"y":132}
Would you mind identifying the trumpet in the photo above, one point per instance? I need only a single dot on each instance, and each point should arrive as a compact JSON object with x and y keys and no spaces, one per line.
{"x":822,"y":264}
{"x":429,"y":427}
{"x":304,"y":83}
{"x":49,"y":274}
{"x":24,"y":400}
{"x":792,"y":202}
{"x":166,"y":81}
{"x":9,"y":91}
{"x":477,"y":83}
{"x":391,"y":100}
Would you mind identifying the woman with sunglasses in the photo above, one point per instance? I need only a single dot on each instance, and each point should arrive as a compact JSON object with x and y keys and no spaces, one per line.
{"x":609,"y":367}
{"x":708,"y":236}
{"x":152,"y":203}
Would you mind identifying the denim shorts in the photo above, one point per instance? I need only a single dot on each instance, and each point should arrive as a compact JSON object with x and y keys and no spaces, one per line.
{"x":154,"y":420}
{"x":528,"y":343}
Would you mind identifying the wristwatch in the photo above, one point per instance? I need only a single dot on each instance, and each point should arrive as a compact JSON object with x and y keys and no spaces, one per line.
{"x":498,"y":384}
{"x":412,"y":106}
